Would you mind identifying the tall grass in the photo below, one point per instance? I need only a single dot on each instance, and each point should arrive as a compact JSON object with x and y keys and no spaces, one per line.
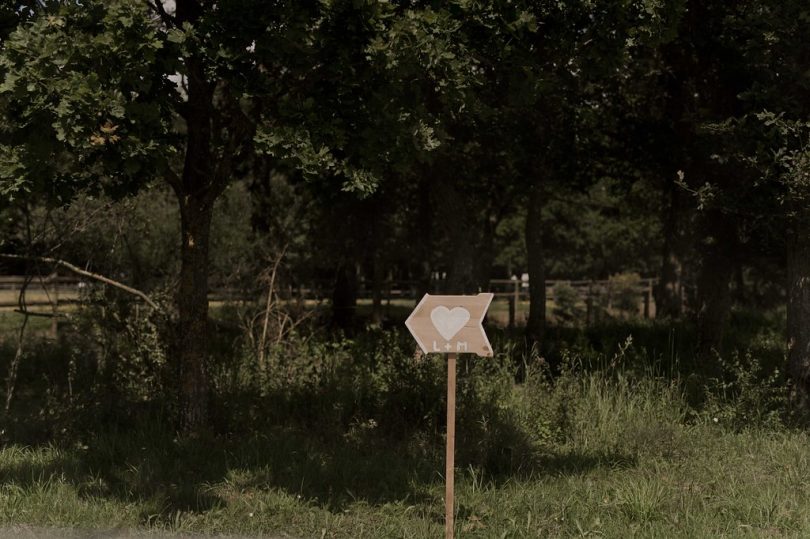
{"x":344,"y":438}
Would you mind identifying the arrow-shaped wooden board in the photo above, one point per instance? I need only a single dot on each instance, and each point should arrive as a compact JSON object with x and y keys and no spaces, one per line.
{"x":451,"y":324}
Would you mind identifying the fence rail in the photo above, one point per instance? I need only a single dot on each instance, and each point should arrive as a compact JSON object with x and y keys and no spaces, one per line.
{"x":55,"y":290}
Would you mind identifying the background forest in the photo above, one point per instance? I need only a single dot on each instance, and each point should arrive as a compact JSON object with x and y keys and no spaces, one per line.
{"x":215,"y":217}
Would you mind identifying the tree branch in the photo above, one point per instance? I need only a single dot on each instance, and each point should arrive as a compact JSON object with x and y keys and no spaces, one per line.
{"x":84,"y":273}
{"x":174,"y":182}
{"x":240,"y":131}
{"x":157,"y":7}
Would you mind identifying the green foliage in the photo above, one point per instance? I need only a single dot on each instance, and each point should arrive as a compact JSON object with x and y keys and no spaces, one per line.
{"x":352,"y":382}
{"x":567,"y":308}
{"x":134,"y":239}
{"x":747,"y":395}
{"x":609,"y":228}
{"x":80,"y":105}
{"x":113,"y":358}
{"x":625,"y":293}
{"x":344,"y":435}
{"x":452,"y":109}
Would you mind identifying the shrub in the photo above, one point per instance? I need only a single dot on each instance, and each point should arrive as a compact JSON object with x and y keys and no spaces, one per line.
{"x":566,"y":303}
{"x":746,"y":395}
{"x":624,"y":293}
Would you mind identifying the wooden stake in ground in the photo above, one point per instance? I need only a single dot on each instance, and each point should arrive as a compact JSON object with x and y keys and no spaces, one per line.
{"x":451,"y":325}
{"x":450,"y":454}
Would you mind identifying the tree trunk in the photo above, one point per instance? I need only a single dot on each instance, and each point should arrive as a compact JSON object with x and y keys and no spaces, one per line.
{"x":424,"y":239}
{"x":192,"y":303}
{"x":536,"y":324}
{"x":461,"y":275}
{"x":798,"y":309}
{"x":196,"y":191}
{"x":460,"y":222}
{"x":376,"y":290}
{"x":377,"y":240}
{"x":344,"y":297}
{"x":667,"y":299}
{"x":485,"y":257}
{"x":204,"y":177}
{"x":717,"y":265}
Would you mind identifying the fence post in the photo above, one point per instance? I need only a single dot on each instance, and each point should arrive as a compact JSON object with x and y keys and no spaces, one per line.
{"x":511,"y":300}
{"x":589,"y":304}
{"x":646,"y":303}
{"x":55,"y":305}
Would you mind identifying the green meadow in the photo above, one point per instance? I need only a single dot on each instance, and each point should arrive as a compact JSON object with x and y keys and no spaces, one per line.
{"x":609,"y":433}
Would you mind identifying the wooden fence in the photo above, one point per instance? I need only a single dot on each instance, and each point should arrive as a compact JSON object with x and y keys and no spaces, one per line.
{"x":592,"y":295}
{"x":51,"y":291}
{"x":40,"y":290}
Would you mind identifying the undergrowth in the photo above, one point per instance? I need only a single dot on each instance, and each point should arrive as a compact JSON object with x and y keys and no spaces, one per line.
{"x":347,"y":434}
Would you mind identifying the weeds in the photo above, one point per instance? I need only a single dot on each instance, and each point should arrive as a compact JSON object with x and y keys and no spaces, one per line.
{"x":344,"y":438}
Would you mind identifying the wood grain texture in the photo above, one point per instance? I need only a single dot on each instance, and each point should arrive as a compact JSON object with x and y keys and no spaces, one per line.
{"x":470,"y":338}
{"x":450,"y":450}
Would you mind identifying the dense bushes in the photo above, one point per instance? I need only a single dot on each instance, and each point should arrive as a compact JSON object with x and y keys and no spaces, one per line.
{"x":110,"y":370}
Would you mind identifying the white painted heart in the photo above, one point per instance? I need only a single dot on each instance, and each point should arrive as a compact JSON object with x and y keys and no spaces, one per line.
{"x":449,"y":322}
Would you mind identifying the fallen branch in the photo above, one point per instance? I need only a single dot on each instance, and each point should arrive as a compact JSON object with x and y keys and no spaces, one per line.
{"x":43,"y":315}
{"x":11,"y":381}
{"x":84,"y":273}
{"x":271,"y":290}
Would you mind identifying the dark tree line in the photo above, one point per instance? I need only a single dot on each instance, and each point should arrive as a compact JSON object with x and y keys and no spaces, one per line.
{"x":405,"y":139}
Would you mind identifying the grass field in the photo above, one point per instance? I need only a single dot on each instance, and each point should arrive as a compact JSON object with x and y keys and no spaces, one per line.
{"x":10,"y":324}
{"x":344,"y":438}
{"x":631,"y":467}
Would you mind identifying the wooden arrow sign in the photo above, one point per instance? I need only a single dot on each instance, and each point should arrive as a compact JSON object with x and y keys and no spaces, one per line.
{"x":451,"y":324}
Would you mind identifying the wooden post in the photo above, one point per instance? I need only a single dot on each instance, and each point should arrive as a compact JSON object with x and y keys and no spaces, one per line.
{"x":449,"y":470}
{"x":449,"y":325}
{"x":55,"y":308}
{"x":511,"y":300}
{"x":646,"y":303}
{"x":388,"y":298}
{"x":589,"y":304}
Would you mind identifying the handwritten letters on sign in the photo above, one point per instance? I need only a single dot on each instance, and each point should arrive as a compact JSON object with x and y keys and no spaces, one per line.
{"x":451,"y":324}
